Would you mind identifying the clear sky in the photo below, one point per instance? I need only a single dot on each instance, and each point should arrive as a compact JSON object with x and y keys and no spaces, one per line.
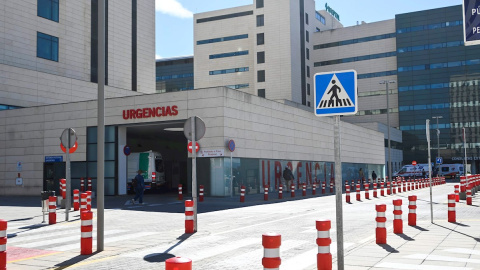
{"x":174,"y":18}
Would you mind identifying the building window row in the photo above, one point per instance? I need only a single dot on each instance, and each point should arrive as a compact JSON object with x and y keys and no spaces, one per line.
{"x":422,"y":127}
{"x":463,"y":104}
{"x":48,"y":9}
{"x":431,"y":46}
{"x":320,"y":17}
{"x":440,"y":65}
{"x":429,"y":26}
{"x":238,"y":86}
{"x":8,"y":107}
{"x":230,"y":54}
{"x":424,"y":107}
{"x":376,"y":74}
{"x":423,"y":87}
{"x":173,"y":76}
{"x":226,"y":16}
{"x":229,"y":38}
{"x":354,"y":59}
{"x":47,"y":47}
{"x":230,"y":70}
{"x":353,"y":41}
{"x":377,"y":111}
{"x":377,"y":93}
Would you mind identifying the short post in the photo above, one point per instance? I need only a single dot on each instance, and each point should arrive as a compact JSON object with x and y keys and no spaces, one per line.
{"x":280,"y":191}
{"x":331,"y":186}
{"x":397,"y":216}
{"x":82,"y":184}
{"x":451,"y":208}
{"x":394,"y":187}
{"x":242,"y":194}
{"x":304,"y":190}
{"x":83,"y":202}
{"x":314,"y":187}
{"x":86,"y":232}
{"x":404,"y":184}
{"x":265,"y":193}
{"x":469,"y":194}
{"x":367,"y":192}
{"x":189,"y":216}
{"x":389,"y":192}
{"x":382,"y":191}
{"x":324,"y":257}
{"x":63,"y":185}
{"x":89,"y":183}
{"x":200,"y":193}
{"x":3,"y":244}
{"x":52,"y":210}
{"x":76,"y":200}
{"x":347,"y":193}
{"x":375,"y":190}
{"x":271,"y":251}
{"x":178,"y":263}
{"x":457,"y":191}
{"x":358,"y":192}
{"x":180,"y":192}
{"x":323,"y":187}
{"x":412,"y":209}
{"x":292,"y":190}
{"x":381,"y":230}
{"x":463,"y":188}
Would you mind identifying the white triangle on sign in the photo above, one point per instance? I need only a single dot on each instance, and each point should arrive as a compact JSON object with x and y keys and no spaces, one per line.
{"x":335,"y":96}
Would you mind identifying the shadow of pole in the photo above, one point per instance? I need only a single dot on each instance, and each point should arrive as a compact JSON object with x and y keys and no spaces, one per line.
{"x":163,"y":256}
{"x":74,"y":260}
{"x":474,"y":238}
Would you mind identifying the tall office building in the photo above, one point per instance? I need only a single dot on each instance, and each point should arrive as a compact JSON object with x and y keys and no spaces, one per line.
{"x":48,"y":50}
{"x":174,"y":74}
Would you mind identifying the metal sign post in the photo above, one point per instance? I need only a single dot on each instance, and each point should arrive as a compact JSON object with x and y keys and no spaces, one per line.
{"x":427,"y":128}
{"x":68,"y":140}
{"x":338,"y":192}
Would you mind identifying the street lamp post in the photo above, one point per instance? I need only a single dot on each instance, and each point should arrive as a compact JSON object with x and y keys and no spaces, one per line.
{"x":389,"y":162}
{"x":438,"y":135}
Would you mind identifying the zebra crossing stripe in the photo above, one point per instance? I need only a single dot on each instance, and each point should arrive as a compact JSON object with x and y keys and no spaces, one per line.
{"x":418,"y":267}
{"x":202,"y":254}
{"x":441,"y":258}
{"x":48,"y":241}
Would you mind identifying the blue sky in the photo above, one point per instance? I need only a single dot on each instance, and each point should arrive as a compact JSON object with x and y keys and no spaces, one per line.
{"x":174,"y":18}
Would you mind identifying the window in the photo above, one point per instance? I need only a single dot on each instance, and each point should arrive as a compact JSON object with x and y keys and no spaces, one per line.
{"x":307,"y":36}
{"x":261,"y":76}
{"x":214,"y":40}
{"x":260,"y":39}
{"x":259,"y":3}
{"x":308,"y":89}
{"x":308,"y":54}
{"x":230,"y":70}
{"x":223,"y":17}
{"x":48,"y":9}
{"x":320,"y":17}
{"x":308,"y":71}
{"x":306,"y":18}
{"x":260,"y":20}
{"x":260,"y":57}
{"x":261,"y":93}
{"x":229,"y":54}
{"x":309,"y":105}
{"x":47,"y":46}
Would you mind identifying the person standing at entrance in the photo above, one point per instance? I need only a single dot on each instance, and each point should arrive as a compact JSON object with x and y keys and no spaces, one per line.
{"x":288,"y":176}
{"x":139,"y":187}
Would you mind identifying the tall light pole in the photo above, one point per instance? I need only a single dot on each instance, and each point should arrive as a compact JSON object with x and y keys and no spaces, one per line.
{"x":389,"y":162}
{"x":438,"y":135}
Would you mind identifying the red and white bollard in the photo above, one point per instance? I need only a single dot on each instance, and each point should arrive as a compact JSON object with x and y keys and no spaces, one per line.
{"x":314,"y":188}
{"x":200,"y":194}
{"x":381,"y":230}
{"x":292,"y":190}
{"x":265,"y":193}
{"x":375,"y":190}
{"x":457,"y":195}
{"x":76,"y":200}
{"x":63,"y":188}
{"x":82,"y":184}
{"x":280,"y":191}
{"x":469,"y":194}
{"x":89,"y":184}
{"x":367,"y":192}
{"x":404,"y":184}
{"x":271,"y":251}
{"x":412,"y":209}
{"x":180,"y":192}
{"x":451,"y":208}
{"x":382,"y":191}
{"x":89,"y":200}
{"x":347,"y":193}
{"x":3,"y":244}
{"x":323,"y":187}
{"x":178,"y":263}
{"x":83,"y":202}
{"x":397,"y":216}
{"x":389,"y":192}
{"x":87,"y":235}
{"x":242,"y":194}
{"x":463,"y":187}
{"x":52,"y":210}
{"x":358,"y":192}
{"x":304,"y":190}
{"x":394,"y":187}
{"x":189,"y":216}
{"x":331,"y":186}
{"x":324,"y":257}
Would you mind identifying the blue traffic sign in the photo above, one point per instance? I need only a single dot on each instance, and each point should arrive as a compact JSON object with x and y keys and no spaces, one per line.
{"x":471,"y":22}
{"x":336,"y":93}
{"x":439,"y":160}
{"x":231,"y":145}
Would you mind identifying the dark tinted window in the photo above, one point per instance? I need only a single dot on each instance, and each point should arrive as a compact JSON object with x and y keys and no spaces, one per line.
{"x":261,"y":93}
{"x":48,"y":9}
{"x":260,"y":20}
{"x":259,"y":3}
{"x":47,"y":46}
{"x":226,"y":16}
{"x":260,"y":39}
{"x":261,"y":76}
{"x":260,"y":57}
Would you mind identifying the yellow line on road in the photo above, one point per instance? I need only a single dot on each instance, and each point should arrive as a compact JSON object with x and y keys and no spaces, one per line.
{"x":34,"y":257}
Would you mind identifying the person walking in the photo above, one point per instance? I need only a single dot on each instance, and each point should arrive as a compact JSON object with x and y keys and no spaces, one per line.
{"x":139,"y":185}
{"x":288,"y":176}
{"x":374,"y":176}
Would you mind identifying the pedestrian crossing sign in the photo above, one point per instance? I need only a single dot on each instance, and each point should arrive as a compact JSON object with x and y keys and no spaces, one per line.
{"x":336,"y":93}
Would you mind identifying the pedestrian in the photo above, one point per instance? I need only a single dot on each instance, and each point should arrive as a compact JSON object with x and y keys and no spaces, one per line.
{"x":139,"y":186}
{"x":423,"y":173}
{"x":361,"y":175}
{"x":374,"y":176}
{"x":288,"y":176}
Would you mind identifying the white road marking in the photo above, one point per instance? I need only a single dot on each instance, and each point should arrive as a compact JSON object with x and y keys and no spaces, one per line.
{"x":441,"y":258}
{"x":463,"y":251}
{"x":106,"y":241}
{"x":418,"y":267}
{"x":48,"y":240}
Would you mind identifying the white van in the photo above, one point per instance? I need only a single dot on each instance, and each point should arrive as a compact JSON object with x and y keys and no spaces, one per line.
{"x":151,"y":163}
{"x":412,"y":171}
{"x":450,"y":170}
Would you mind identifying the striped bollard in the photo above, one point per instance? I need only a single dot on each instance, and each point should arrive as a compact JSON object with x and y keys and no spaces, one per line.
{"x":382,"y":191}
{"x":457,"y":191}
{"x":358,"y":192}
{"x":469,"y":194}
{"x":367,"y":192}
{"x":397,"y":216}
{"x":347,"y":193}
{"x":63,"y":185}
{"x":242,"y":194}
{"x":3,"y":244}
{"x":76,"y":200}
{"x":304,"y":190}
{"x":314,"y":189}
{"x":178,"y":263}
{"x":412,"y":209}
{"x":404,"y":184}
{"x":52,"y":210}
{"x":331,"y":186}
{"x":180,"y":192}
{"x":87,"y":235}
{"x":463,"y":188}
{"x":451,"y":208}
{"x":271,"y":251}
{"x":83,"y":202}
{"x":89,"y":200}
{"x":89,"y":184}
{"x":409,"y":184}
{"x":280,"y":191}
{"x":82,"y":184}
{"x":200,"y":194}
{"x":292,"y":190}
{"x":399,"y":185}
{"x":394,"y":187}
{"x":375,"y":190}
{"x":389,"y":192}
{"x":381,"y":230}
{"x":189,"y":216}
{"x":324,"y":257}
{"x":265,"y":193}
{"x":323,"y":187}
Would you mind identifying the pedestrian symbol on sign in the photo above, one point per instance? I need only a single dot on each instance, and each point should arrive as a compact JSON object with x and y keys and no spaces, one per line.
{"x":336,"y":96}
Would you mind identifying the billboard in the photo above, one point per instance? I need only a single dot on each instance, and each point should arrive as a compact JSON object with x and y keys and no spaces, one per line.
{"x":471,"y":22}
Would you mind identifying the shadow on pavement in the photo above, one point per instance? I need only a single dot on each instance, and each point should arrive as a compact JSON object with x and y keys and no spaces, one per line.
{"x":406,"y":237}
{"x":74,"y":260}
{"x":161,"y":257}
{"x":388,"y":248}
{"x":420,"y":228}
{"x":474,"y":238}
